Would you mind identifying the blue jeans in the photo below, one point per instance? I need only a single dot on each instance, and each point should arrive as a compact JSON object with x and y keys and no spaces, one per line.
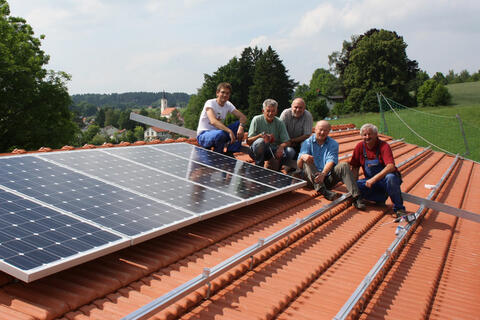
{"x":219,"y":138}
{"x":379,"y":192}
{"x":261,"y":152}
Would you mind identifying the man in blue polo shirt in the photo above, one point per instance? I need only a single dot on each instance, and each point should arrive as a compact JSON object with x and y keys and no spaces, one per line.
{"x":318,"y":158}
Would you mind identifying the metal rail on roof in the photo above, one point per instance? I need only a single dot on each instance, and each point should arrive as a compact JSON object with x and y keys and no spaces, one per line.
{"x":369,"y":279}
{"x":211,"y":273}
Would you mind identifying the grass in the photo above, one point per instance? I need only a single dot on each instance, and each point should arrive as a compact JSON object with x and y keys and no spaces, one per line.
{"x":438,"y":125}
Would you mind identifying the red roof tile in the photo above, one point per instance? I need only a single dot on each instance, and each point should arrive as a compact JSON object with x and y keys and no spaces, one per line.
{"x":436,"y":275}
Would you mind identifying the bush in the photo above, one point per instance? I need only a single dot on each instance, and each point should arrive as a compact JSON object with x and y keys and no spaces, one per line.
{"x":318,"y":109}
{"x":341,"y":108}
{"x":432,"y":93}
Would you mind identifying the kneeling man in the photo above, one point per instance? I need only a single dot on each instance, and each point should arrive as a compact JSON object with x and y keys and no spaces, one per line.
{"x":319,"y":160}
{"x":382,"y":179}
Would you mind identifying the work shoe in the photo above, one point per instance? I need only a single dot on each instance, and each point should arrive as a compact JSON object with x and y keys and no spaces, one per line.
{"x":328,"y":194}
{"x":359,"y":204}
{"x":400,"y":213}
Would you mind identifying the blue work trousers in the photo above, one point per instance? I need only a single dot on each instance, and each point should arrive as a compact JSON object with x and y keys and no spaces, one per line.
{"x":219,"y":138}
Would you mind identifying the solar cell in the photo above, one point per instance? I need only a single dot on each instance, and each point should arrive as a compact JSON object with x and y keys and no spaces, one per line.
{"x":63,"y":208}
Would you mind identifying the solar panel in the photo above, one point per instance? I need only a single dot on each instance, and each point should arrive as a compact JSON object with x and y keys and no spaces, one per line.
{"x":63,"y":208}
{"x":34,"y":237}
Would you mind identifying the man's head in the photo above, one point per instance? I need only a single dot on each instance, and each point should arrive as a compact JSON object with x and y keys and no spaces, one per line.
{"x":322,"y":129}
{"x":270,"y":107}
{"x":298,"y":107}
{"x":369,"y":133}
{"x":224,"y":89}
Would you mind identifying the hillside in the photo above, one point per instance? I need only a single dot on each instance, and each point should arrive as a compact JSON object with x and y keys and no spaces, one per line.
{"x":131,"y":99}
{"x":467,"y":93}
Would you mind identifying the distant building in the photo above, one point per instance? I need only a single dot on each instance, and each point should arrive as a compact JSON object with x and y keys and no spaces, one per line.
{"x":163,"y":103}
{"x":109,"y":131}
{"x":331,"y":100}
{"x":167,"y":112}
{"x":153,"y":133}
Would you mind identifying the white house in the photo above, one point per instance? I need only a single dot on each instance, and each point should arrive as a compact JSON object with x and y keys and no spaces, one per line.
{"x":153,"y":133}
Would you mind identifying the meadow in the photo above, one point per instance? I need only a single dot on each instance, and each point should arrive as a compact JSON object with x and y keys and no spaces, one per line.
{"x":435,"y":126}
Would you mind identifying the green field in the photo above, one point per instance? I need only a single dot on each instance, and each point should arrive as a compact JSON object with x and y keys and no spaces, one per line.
{"x":437,"y":125}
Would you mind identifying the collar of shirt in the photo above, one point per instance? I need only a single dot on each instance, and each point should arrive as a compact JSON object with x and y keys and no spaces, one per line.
{"x":320,"y":145}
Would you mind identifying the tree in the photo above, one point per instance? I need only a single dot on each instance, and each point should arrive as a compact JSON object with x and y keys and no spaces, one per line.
{"x":374,"y":62}
{"x":88,"y":134}
{"x":432,"y":93}
{"x":440,"y":78}
{"x":270,"y":81}
{"x":100,"y":118}
{"x":324,"y":83}
{"x":238,"y":72}
{"x":33,"y":101}
{"x":138,"y":133}
{"x":414,"y":84}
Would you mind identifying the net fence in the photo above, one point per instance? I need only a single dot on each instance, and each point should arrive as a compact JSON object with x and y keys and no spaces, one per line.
{"x":449,"y":134}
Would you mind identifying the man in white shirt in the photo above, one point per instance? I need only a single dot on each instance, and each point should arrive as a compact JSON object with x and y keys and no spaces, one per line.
{"x":211,"y":131}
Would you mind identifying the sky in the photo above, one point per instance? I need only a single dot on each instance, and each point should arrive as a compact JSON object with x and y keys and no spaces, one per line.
{"x":116,"y":46}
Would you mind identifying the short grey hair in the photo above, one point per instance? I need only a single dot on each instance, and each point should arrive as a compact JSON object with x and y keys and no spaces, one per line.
{"x":268,"y":103}
{"x":369,"y":126}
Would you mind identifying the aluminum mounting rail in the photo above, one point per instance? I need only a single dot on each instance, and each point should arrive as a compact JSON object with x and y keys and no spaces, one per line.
{"x":369,"y":279}
{"x":163,"y":125}
{"x":211,"y":273}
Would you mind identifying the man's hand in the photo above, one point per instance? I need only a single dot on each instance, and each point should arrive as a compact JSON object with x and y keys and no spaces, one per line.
{"x":369,"y":183}
{"x":240,"y":133}
{"x":232,"y":136}
{"x":319,"y":177}
{"x":279,"y":152}
{"x":307,"y":158}
{"x":268,"y":138}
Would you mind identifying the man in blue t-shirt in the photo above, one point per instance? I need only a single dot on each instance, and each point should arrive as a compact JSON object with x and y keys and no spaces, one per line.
{"x":318,"y":158}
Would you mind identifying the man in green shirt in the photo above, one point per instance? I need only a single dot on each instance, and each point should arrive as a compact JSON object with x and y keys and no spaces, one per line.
{"x":268,"y":138}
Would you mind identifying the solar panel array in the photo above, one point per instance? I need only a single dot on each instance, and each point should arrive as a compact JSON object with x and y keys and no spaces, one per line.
{"x":63,"y":208}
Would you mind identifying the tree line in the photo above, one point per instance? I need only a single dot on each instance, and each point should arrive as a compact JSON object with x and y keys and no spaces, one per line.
{"x":130,"y":99}
{"x":34,"y":101}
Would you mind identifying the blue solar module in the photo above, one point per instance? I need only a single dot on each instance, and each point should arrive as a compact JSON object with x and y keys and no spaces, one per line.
{"x":62,"y":208}
{"x":222,"y":162}
{"x":196,"y":172}
{"x":33,"y":237}
{"x":102,"y":203}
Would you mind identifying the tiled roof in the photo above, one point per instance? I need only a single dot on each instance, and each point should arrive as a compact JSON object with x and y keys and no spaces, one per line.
{"x":436,"y":274}
{"x":167,"y":111}
{"x":159,"y":129}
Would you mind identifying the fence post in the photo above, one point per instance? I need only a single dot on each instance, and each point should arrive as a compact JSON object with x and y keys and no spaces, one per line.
{"x":467,"y":150}
{"x":385,"y":128}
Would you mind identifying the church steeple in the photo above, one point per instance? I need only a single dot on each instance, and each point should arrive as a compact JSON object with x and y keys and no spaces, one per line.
{"x":163,"y":102}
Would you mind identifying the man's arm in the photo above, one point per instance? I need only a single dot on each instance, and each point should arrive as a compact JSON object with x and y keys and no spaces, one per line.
{"x":219,"y":124}
{"x":283,"y":134}
{"x":243,"y":119}
{"x":379,"y":176}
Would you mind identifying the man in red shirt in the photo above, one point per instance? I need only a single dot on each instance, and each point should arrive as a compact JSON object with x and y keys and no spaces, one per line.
{"x":382,"y":179}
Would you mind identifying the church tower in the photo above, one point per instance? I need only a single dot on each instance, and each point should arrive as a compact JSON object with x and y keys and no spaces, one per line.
{"x":163,"y":102}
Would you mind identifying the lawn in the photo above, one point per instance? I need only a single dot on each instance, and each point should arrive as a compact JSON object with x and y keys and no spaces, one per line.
{"x":438,"y":125}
